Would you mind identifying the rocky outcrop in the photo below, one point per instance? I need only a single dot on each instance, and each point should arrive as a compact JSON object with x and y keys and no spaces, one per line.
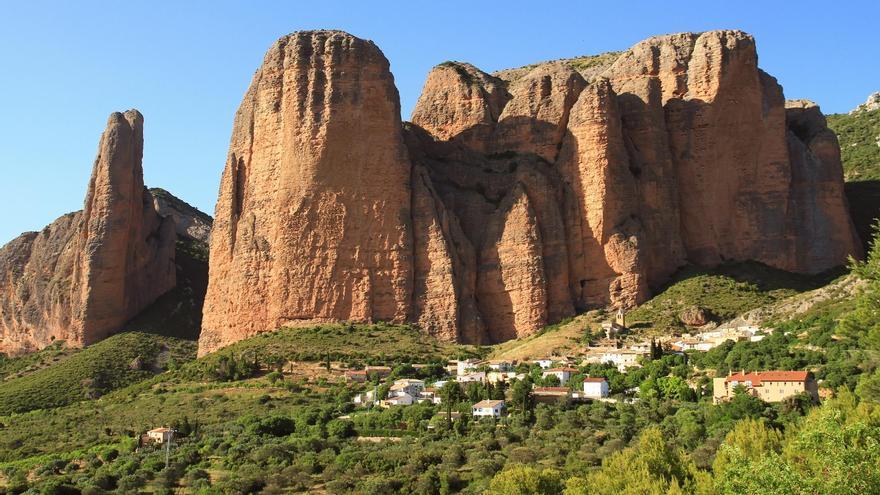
{"x":89,"y":272}
{"x":461,"y":102}
{"x":512,"y":200}
{"x":189,"y":222}
{"x":313,"y":222}
{"x":871,"y":104}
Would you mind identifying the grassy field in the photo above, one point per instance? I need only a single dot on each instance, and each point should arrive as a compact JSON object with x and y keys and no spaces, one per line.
{"x":555,"y":340}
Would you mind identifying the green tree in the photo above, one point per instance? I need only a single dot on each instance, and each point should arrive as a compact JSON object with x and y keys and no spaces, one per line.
{"x":525,"y":480}
{"x":521,"y":397}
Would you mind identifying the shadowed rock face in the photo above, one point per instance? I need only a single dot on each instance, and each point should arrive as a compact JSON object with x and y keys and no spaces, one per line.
{"x":510,"y":203}
{"x":85,"y":275}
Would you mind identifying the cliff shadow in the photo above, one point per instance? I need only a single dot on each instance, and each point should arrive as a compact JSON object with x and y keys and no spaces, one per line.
{"x":178,"y":312}
{"x":864,"y":208}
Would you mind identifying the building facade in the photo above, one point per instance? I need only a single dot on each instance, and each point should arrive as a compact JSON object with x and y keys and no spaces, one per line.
{"x":769,"y":386}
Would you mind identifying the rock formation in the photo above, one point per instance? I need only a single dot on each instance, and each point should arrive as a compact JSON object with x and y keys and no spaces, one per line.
{"x":313,"y":222}
{"x":189,"y":222}
{"x":512,"y":200}
{"x":871,"y":104}
{"x":86,"y":274}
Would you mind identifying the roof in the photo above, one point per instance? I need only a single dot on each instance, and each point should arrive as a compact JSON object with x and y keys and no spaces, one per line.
{"x":356,"y":372}
{"x":570,"y":370}
{"x":769,"y":376}
{"x":596,"y":379}
{"x":160,"y":430}
{"x":489,"y":403}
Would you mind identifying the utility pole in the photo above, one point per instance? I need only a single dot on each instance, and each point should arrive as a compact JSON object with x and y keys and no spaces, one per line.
{"x":168,"y":448}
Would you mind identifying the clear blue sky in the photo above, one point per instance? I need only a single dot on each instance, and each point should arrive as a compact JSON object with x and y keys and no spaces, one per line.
{"x":186,"y":64}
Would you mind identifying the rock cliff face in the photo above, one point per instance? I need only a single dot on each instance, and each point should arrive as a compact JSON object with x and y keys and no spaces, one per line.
{"x":86,"y":274}
{"x":313,"y":222}
{"x":512,"y":200}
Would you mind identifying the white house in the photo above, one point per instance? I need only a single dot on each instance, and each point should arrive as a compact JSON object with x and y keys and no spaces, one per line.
{"x":407,"y":386}
{"x":429,"y":395}
{"x":500,"y":365}
{"x":564,"y":374}
{"x":471,"y":377}
{"x":398,"y":400}
{"x":364,"y":398}
{"x":622,"y":358}
{"x":160,"y":435}
{"x":595,"y":388}
{"x":503,"y":376}
{"x":462,"y":367}
{"x":489,"y":408}
{"x":544,"y":362}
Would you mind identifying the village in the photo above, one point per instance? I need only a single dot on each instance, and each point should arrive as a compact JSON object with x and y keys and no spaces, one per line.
{"x":561,"y":379}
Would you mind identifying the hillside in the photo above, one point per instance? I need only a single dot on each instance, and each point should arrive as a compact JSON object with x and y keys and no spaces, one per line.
{"x":859,"y":135}
{"x":89,"y":373}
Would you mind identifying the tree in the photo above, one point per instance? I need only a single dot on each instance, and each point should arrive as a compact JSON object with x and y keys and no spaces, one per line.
{"x":651,"y":467}
{"x":450,"y":395}
{"x":525,"y":480}
{"x":521,"y":397}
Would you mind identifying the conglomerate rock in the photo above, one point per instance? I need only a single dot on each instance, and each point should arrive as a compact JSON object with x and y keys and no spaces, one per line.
{"x":313,"y":221}
{"x":512,"y":200}
{"x":89,"y":272}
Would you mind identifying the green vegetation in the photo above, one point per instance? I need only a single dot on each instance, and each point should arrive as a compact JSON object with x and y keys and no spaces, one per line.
{"x":379,"y":343}
{"x":725,"y":292}
{"x":91,"y":372}
{"x":581,"y":64}
{"x":28,"y":363}
{"x":859,"y":135}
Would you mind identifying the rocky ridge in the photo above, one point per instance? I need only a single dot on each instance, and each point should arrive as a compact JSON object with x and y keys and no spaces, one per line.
{"x":872,"y":103}
{"x":512,"y":200}
{"x":86,"y":274}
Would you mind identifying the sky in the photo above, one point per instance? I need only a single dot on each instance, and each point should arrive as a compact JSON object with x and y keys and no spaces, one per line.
{"x":186,"y":65}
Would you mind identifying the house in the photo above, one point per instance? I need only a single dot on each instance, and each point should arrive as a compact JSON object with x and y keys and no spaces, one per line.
{"x":365,"y":398}
{"x":431,"y":395}
{"x":408,"y":386}
{"x":503,"y":376}
{"x":471,"y":377}
{"x":463,"y":367}
{"x":499,"y":365}
{"x":595,"y":388}
{"x":488,"y":409}
{"x":403,"y":399}
{"x":551,"y":395}
{"x":564,"y":374}
{"x":622,"y":358}
{"x":160,"y":435}
{"x":544,"y":362}
{"x":356,"y":376}
{"x":769,"y":386}
{"x":377,"y":371}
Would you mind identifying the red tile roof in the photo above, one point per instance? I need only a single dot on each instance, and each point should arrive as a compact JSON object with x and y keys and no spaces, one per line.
{"x":597,"y":379}
{"x":570,"y":370}
{"x":769,"y":376}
